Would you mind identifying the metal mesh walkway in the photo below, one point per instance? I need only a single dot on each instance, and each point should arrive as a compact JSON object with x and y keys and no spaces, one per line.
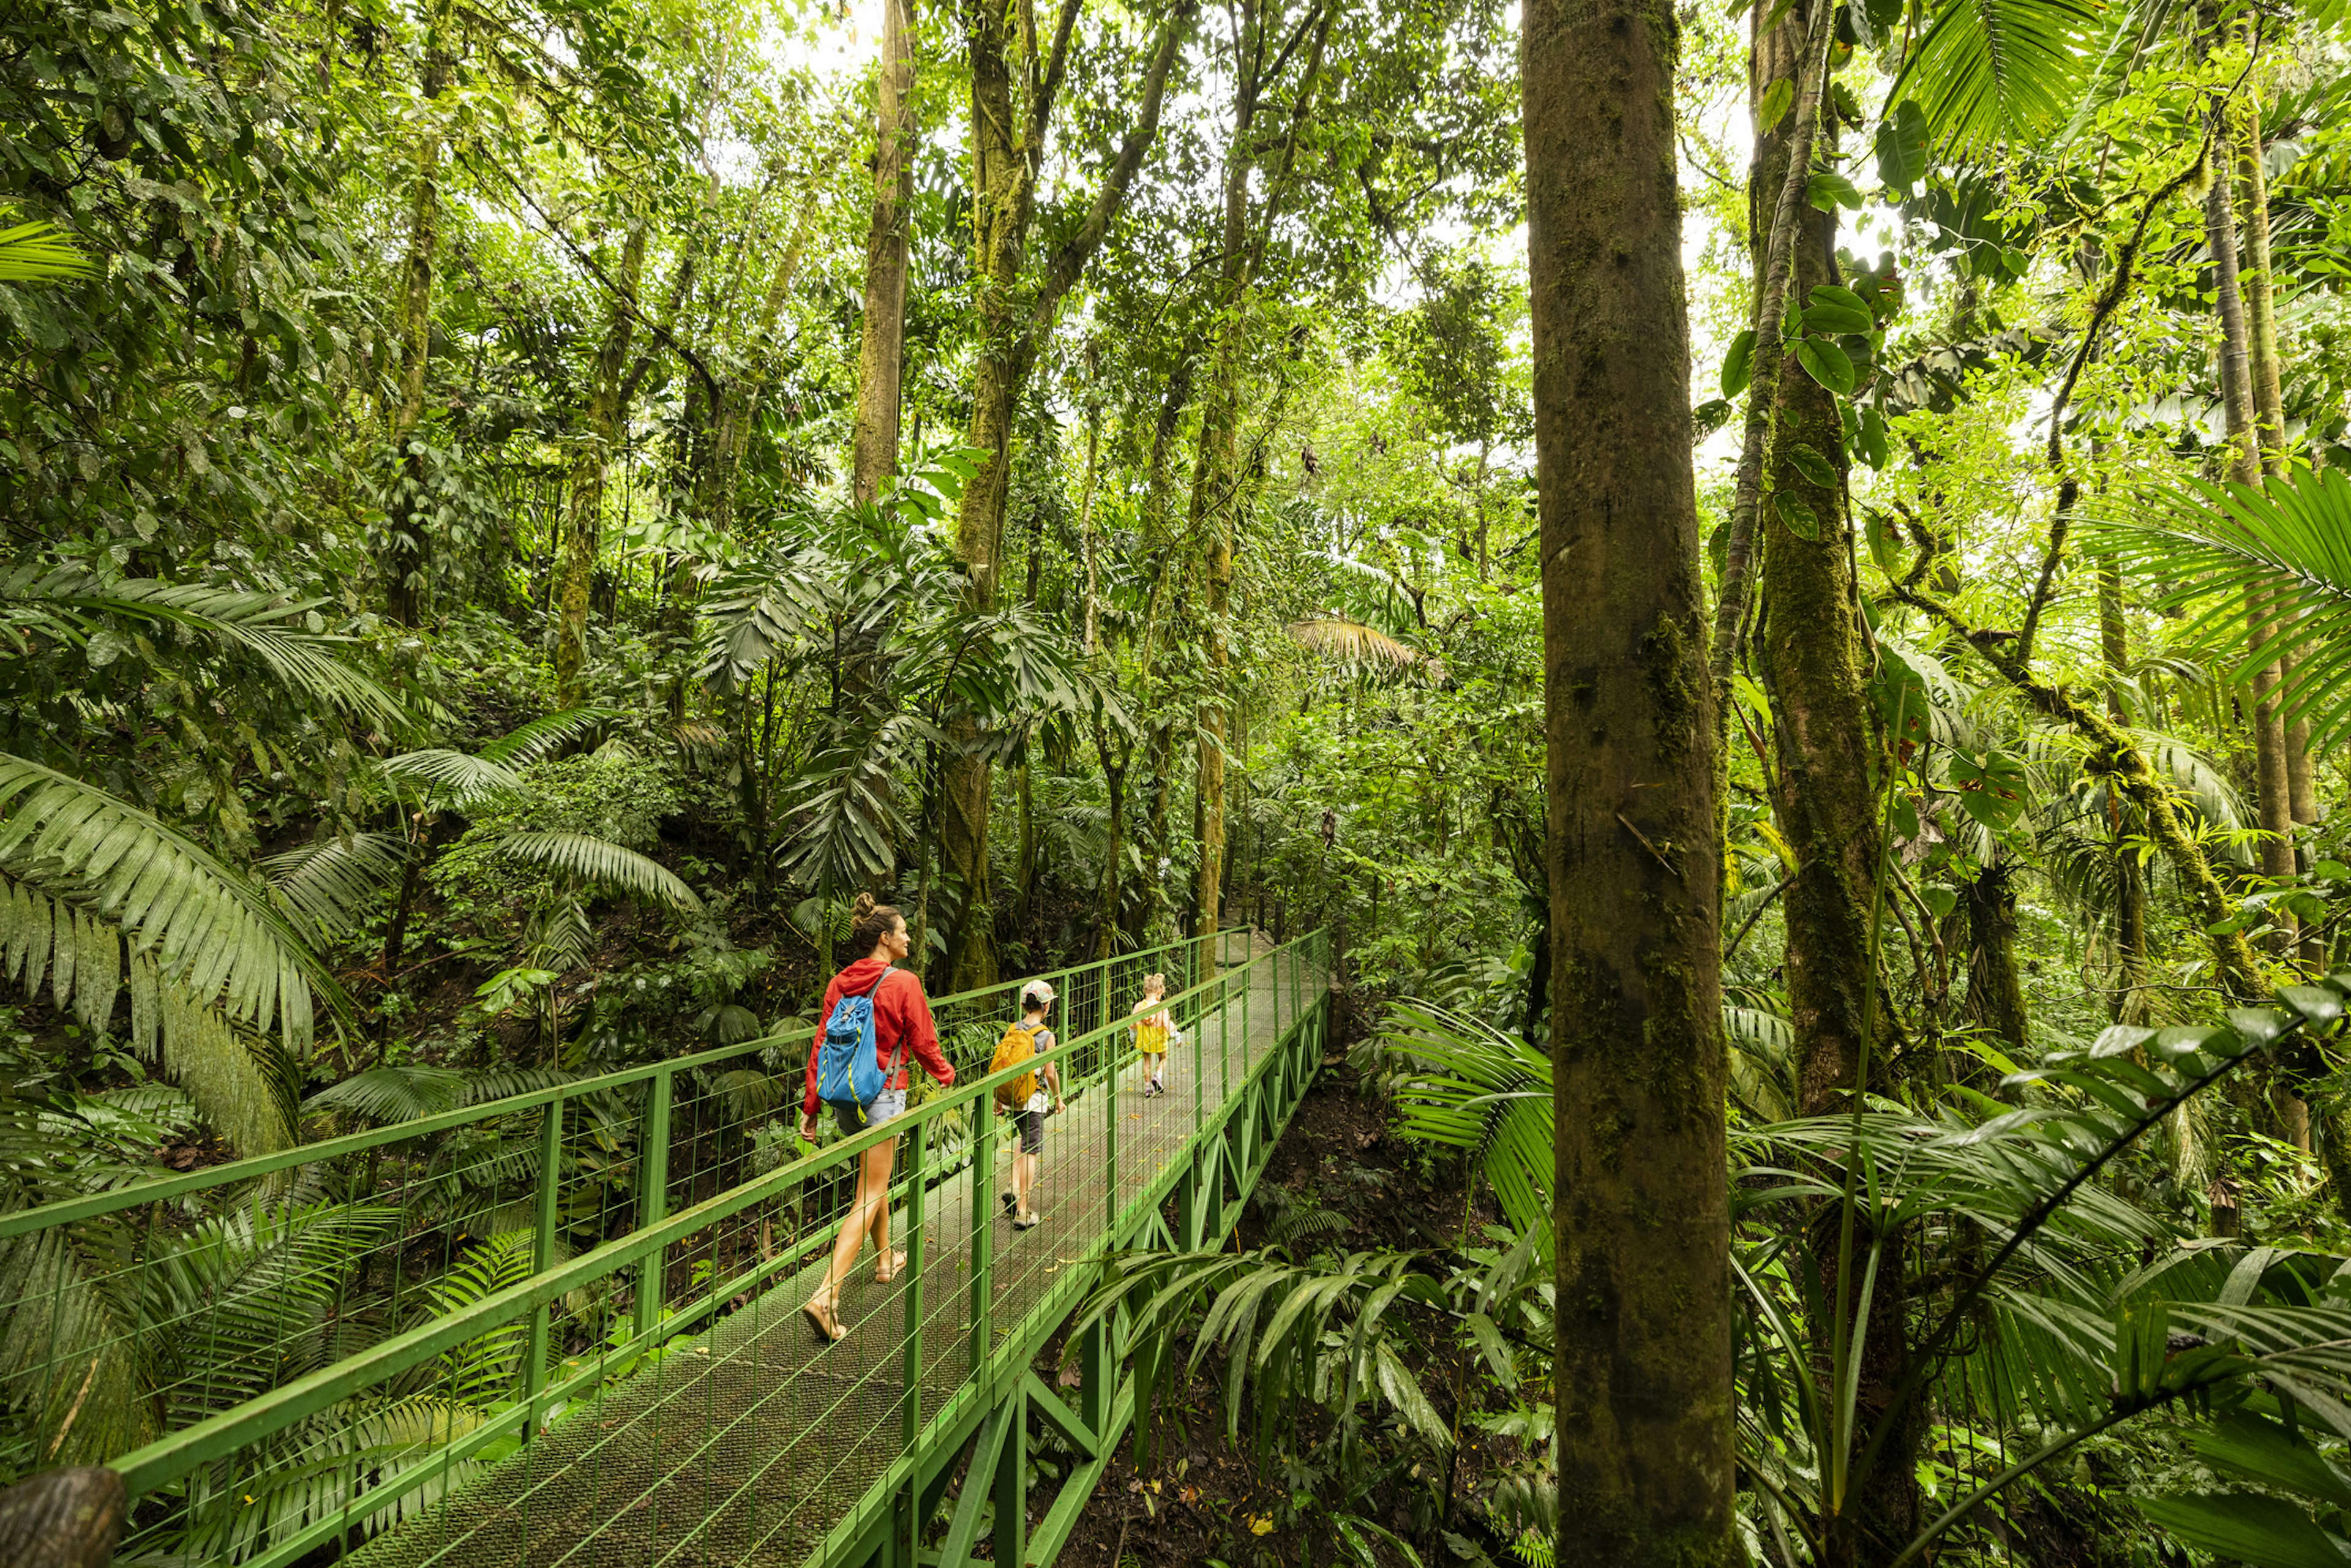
{"x":750,"y":1440}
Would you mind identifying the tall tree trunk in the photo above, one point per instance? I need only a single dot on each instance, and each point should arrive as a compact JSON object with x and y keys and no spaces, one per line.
{"x":2277,"y":775}
{"x":2238,"y":397}
{"x":1217,"y":486}
{"x":1810,"y":654}
{"x":1995,"y":987}
{"x":881,"y":349}
{"x":408,"y":552}
{"x":1643,"y":1375}
{"x":1778,"y":231}
{"x":2130,"y":875}
{"x":578,"y":573}
{"x":1008,"y":147}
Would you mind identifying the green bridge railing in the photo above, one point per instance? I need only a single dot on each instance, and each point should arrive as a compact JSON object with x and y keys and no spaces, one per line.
{"x":562,"y":1326}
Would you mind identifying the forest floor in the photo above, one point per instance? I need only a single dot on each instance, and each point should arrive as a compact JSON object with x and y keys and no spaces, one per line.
{"x":1201,"y":1499}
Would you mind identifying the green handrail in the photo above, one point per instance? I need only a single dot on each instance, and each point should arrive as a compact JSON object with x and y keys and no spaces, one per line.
{"x":92,"y":1206}
{"x":175,"y":1455}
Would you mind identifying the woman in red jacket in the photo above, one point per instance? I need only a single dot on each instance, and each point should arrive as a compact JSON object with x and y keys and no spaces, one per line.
{"x":902,"y":1028}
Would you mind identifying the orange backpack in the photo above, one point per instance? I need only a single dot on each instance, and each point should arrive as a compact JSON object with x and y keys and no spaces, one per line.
{"x":1019,"y":1044}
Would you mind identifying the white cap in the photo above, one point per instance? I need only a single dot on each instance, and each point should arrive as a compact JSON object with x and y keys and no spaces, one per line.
{"x":1037,"y":993}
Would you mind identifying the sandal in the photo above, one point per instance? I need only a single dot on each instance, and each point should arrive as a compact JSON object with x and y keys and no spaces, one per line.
{"x":820,"y":1313}
{"x":889,"y":1268}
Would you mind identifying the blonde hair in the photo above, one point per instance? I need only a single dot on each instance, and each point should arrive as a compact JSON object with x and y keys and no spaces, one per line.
{"x":1155,"y":983}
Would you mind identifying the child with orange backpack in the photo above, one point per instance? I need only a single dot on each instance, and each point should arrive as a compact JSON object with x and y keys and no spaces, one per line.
{"x":1025,"y":1099}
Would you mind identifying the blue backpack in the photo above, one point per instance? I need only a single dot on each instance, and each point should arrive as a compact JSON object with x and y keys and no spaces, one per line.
{"x":845,"y":1069}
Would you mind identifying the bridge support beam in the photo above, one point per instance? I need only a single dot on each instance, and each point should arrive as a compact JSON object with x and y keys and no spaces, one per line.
{"x":994,"y":1497}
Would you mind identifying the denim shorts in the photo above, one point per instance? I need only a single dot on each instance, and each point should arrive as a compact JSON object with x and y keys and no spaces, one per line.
{"x":889,"y":1103}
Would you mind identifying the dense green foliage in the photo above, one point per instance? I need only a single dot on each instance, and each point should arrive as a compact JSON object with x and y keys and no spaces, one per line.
{"x":445,"y":652}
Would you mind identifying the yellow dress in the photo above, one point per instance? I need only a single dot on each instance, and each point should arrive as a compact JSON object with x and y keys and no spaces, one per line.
{"x":1151,"y":1033}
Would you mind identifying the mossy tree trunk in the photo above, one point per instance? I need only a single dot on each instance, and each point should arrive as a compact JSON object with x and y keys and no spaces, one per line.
{"x":583,"y":525}
{"x":881,"y":349}
{"x":1810,"y":654}
{"x":1009,"y":120}
{"x":1643,"y":1379}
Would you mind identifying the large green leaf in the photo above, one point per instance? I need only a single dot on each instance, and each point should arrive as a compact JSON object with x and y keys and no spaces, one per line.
{"x":2291,"y":545}
{"x":2262,"y":1531}
{"x":1990,"y":70}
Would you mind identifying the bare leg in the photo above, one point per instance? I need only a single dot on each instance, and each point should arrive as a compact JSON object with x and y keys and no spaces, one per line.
{"x":1024,"y":1173}
{"x":873,"y":1195}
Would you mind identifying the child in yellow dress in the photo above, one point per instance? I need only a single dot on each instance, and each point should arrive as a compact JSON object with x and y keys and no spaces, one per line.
{"x":1152,"y":1028}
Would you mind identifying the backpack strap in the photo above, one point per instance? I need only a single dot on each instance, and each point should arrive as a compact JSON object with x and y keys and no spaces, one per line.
{"x":897,"y":1057}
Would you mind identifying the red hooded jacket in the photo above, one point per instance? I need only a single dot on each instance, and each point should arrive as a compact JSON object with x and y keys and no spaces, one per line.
{"x":902,"y":1019}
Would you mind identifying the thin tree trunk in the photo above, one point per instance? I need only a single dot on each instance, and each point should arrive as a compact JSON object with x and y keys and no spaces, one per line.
{"x":881,"y":349}
{"x":578,"y":570}
{"x":1773,"y":277}
{"x":2257,"y":282}
{"x":2130,"y":876}
{"x":1645,"y":1456}
{"x":1810,"y":653}
{"x":2238,"y":396}
{"x":408,"y":555}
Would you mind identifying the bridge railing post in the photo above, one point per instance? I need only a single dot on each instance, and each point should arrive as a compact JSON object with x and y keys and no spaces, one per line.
{"x":983,"y":1233}
{"x":917,"y":1252}
{"x":653,"y":1193}
{"x":542,"y":1257}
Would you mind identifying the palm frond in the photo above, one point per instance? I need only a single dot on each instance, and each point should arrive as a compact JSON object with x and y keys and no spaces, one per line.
{"x":80,"y":871}
{"x":72,"y":1358}
{"x":398,"y":1093}
{"x":329,"y":886}
{"x":465,"y":780}
{"x":1463,"y":1083}
{"x":39,"y":253}
{"x":542,"y":738}
{"x":267,"y":629}
{"x":316,"y":1468}
{"x":1989,"y":70}
{"x":485,"y":1368}
{"x":1356,"y":645}
{"x":2290,"y":543}
{"x":602,"y":864}
{"x":1319,"y":1333}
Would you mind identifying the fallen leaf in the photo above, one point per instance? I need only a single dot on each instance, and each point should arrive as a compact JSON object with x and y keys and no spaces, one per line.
{"x":1260,"y":1524}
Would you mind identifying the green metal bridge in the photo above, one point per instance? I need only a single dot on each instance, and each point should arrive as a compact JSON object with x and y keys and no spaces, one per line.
{"x":563,"y":1327}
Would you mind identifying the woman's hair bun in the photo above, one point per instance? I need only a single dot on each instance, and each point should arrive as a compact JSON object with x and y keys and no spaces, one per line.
{"x":870,"y":921}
